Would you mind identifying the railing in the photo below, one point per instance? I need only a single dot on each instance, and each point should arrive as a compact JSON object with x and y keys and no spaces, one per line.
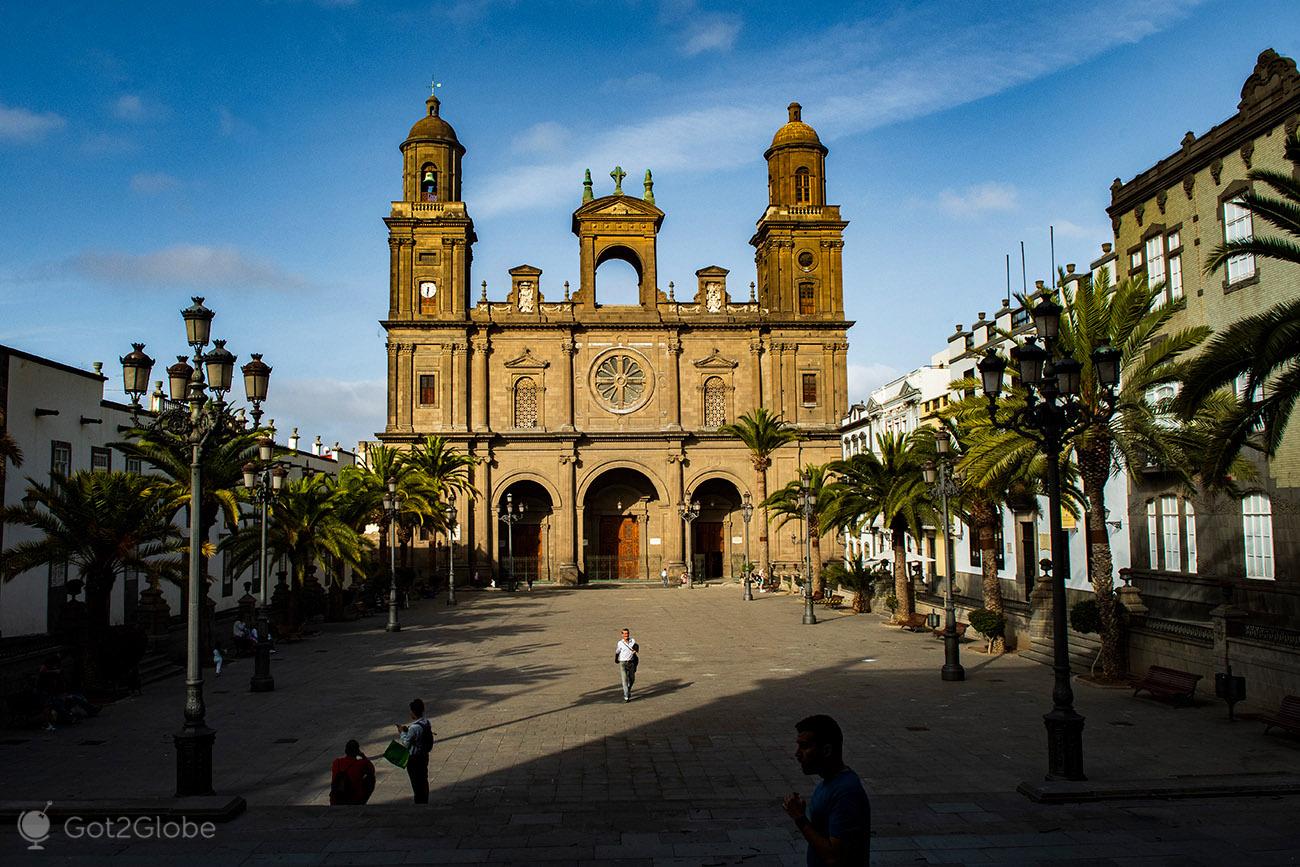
{"x":1197,"y":632}
{"x":1271,"y":635}
{"x":525,"y":568}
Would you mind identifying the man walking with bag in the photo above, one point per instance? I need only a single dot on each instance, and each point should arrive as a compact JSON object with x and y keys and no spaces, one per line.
{"x":625,"y":654}
{"x":418,"y":738}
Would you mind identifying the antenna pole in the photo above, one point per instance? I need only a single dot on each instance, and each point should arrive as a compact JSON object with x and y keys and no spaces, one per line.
{"x":1024,"y":281}
{"x":1008,"y":279}
{"x":1051,"y":239}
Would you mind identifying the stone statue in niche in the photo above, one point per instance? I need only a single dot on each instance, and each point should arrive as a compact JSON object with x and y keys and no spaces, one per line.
{"x":713,"y":297}
{"x":527,"y":296}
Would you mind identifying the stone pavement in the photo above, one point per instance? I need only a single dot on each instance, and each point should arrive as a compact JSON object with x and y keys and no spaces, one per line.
{"x":538,"y":758}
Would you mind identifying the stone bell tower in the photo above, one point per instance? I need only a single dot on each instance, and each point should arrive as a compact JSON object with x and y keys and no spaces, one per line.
{"x":800,"y":238}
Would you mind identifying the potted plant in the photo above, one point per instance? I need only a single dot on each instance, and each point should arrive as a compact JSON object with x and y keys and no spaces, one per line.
{"x":991,"y":624}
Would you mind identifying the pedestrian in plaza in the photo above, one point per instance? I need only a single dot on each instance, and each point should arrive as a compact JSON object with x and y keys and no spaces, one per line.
{"x":663,"y":575}
{"x":417,"y":735}
{"x":625,"y":654}
{"x":352,"y":776}
{"x":837,"y":820}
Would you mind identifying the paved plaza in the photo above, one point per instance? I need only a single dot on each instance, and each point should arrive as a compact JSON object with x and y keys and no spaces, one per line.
{"x":538,"y":758}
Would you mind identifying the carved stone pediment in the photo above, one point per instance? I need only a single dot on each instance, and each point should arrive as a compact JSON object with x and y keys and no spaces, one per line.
{"x":716,"y":361}
{"x":528,"y":361}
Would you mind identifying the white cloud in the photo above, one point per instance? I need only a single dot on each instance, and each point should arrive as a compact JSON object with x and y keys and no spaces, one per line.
{"x":697,"y":31}
{"x":133,"y":108}
{"x":863,"y":378}
{"x":541,"y":139}
{"x":152,"y":183}
{"x":337,"y":410}
{"x":192,"y":266}
{"x":979,"y":199}
{"x":1068,"y":229}
{"x":24,"y":126}
{"x":887,"y":69}
{"x":229,"y":123}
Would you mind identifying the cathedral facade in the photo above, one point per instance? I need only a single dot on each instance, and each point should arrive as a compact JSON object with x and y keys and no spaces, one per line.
{"x":599,"y":422}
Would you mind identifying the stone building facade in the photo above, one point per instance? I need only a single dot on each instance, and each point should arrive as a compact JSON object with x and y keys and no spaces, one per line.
{"x":603,"y":420}
{"x":1167,"y":220}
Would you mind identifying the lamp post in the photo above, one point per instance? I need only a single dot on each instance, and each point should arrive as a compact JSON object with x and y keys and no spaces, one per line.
{"x":451,"y":548}
{"x":263,"y":480}
{"x":512,"y":515}
{"x":689,"y":510}
{"x":197,"y":418}
{"x":390,"y":512}
{"x":1051,"y":414}
{"x":747,"y":512}
{"x":807,"y":505}
{"x":939,"y":476}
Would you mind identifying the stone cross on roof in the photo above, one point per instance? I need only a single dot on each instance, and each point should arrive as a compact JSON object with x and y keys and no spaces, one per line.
{"x":618,"y":175}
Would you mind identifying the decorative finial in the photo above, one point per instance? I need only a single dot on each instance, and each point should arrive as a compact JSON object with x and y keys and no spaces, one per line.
{"x":649,"y":187}
{"x":796,"y":112}
{"x":432,"y":102}
{"x":586,"y":187}
{"x":751,"y":291}
{"x":566,"y":282}
{"x":483,"y":298}
{"x":671,"y":297}
{"x":618,"y":175}
{"x":434,"y":84}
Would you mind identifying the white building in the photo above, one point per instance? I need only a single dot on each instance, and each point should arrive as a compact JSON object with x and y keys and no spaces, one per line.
{"x":60,"y":419}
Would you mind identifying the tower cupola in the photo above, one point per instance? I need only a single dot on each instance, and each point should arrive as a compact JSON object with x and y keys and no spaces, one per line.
{"x":796,"y":164}
{"x":431,"y":158}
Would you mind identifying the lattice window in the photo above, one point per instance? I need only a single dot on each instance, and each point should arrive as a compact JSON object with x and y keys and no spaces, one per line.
{"x":802,"y":186}
{"x":807,"y":305}
{"x":1237,"y":227}
{"x":809,"y":389}
{"x":715,"y":403}
{"x":1257,"y":523}
{"x":526,"y":403}
{"x":428,"y":389}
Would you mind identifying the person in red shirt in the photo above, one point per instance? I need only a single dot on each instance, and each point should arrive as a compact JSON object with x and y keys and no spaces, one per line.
{"x":352,"y":776}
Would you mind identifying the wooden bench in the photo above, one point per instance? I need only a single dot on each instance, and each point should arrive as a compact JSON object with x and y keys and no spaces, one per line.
{"x":914,"y":623}
{"x":1168,"y":683}
{"x":1287,"y":716}
{"x":940,"y":631}
{"x":833,"y":601}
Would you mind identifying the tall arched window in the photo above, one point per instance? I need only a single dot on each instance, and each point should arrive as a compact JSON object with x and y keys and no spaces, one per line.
{"x":715,"y":403}
{"x":429,"y":183}
{"x":802,"y":186}
{"x":526,"y":403}
{"x":1257,"y":527}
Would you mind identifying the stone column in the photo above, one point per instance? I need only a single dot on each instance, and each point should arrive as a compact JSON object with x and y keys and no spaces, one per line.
{"x":480,"y":399}
{"x":457,"y":408}
{"x":776,"y":401}
{"x":674,"y":538}
{"x":756,"y":362}
{"x":674,"y":346}
{"x":392,"y":386}
{"x":566,"y":393}
{"x":408,"y":393}
{"x":485,"y":519}
{"x":566,"y":542}
{"x":406,"y":254}
{"x":394,"y":275}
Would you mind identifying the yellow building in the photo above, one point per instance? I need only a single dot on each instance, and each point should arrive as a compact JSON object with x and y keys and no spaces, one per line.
{"x":602,"y":420}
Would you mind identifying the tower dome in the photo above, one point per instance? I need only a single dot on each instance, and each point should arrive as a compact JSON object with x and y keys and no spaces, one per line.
{"x":796,"y":133}
{"x":431,"y":127}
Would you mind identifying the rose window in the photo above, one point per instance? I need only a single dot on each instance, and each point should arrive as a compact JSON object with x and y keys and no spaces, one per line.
{"x":620,"y":382}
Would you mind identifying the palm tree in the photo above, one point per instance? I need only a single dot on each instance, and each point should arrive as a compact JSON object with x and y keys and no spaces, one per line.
{"x":9,"y":452}
{"x":306,"y":524}
{"x":1264,"y":349}
{"x":1128,"y":431}
{"x":888,"y":486}
{"x":100,"y":523}
{"x":783,"y":505}
{"x":363,"y":488}
{"x":762,"y":433}
{"x":221,"y":466}
{"x":446,"y":471}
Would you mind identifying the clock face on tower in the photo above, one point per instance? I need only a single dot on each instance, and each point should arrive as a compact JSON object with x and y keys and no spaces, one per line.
{"x":428,"y":289}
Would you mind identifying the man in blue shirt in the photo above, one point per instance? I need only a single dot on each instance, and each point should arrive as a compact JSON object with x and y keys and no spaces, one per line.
{"x":837,"y":821}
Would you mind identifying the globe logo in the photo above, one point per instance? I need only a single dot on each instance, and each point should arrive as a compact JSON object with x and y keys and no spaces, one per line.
{"x":34,"y":827}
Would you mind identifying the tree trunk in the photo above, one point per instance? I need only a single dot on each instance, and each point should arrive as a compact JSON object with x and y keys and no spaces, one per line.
{"x":1094,"y":468}
{"x":902,"y":581}
{"x":764,"y":545}
{"x":992,"y":588}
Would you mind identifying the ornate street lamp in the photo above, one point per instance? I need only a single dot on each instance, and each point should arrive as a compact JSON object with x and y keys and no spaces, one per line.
{"x":199,"y":419}
{"x":807,"y":505}
{"x":689,"y":511}
{"x":390,"y":511}
{"x":1051,"y":414}
{"x":939,"y":478}
{"x":512,"y":515}
{"x":747,"y":512}
{"x":263,"y":479}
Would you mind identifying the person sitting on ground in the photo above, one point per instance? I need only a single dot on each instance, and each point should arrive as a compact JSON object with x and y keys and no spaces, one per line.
{"x":352,"y":776}
{"x":244,"y":641}
{"x":60,"y":703}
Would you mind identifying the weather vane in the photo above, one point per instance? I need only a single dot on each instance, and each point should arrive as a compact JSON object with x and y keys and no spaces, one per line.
{"x":434,"y":84}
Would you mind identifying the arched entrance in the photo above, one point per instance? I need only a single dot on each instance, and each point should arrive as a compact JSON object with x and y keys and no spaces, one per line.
{"x":717,"y":535}
{"x":528,"y":536}
{"x":615,"y":526}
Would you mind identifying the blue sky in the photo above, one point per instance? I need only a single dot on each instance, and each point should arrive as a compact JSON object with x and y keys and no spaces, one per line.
{"x":247,"y":152}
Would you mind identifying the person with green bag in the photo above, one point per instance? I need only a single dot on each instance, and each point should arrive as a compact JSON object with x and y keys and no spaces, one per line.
{"x":417,"y":737}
